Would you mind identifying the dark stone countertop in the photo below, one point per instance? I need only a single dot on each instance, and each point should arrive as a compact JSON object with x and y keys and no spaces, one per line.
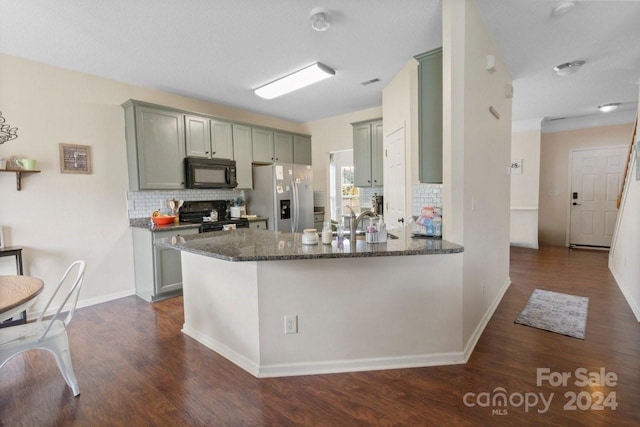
{"x":262,"y":245}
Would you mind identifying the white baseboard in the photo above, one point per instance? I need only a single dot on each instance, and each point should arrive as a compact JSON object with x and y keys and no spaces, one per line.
{"x":529,"y":245}
{"x":85,"y":302}
{"x":635,"y":308}
{"x":357,"y":365}
{"x":324,"y":367}
{"x":473,"y":340}
{"x":223,"y":350}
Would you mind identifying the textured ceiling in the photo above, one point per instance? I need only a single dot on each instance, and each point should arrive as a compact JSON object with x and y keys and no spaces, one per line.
{"x":221,"y":50}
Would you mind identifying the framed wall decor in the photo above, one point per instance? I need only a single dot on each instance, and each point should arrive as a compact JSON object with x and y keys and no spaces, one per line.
{"x":75,"y":158}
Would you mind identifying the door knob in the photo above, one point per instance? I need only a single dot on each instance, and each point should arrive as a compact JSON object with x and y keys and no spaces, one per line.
{"x":576,"y":204}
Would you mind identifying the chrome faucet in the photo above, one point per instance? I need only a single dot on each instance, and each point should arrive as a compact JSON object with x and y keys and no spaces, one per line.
{"x":355,"y":221}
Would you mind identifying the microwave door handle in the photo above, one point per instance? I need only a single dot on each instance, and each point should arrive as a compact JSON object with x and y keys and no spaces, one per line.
{"x":227,"y":176}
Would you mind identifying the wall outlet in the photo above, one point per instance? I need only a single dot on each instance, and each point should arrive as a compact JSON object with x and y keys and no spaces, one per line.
{"x":163,"y":204}
{"x":291,"y":324}
{"x":131,"y":205}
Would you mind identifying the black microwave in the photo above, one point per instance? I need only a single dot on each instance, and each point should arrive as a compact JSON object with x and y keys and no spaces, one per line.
{"x":210,"y":173}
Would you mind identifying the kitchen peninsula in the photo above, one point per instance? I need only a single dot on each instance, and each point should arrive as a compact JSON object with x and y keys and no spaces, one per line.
{"x":363,"y":307}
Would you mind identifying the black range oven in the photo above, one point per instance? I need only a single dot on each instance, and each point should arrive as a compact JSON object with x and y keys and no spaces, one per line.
{"x":212,"y":215}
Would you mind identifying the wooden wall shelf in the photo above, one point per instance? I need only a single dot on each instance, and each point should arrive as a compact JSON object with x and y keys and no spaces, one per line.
{"x":19,"y":173}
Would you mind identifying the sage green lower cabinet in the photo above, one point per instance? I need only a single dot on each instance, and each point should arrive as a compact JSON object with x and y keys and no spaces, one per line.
{"x":155,"y":147}
{"x":430,"y":116}
{"x":243,"y":155}
{"x":158,"y":270}
{"x":260,"y":224}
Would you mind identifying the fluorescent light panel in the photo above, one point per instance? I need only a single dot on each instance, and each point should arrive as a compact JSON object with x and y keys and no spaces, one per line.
{"x":305,"y":77}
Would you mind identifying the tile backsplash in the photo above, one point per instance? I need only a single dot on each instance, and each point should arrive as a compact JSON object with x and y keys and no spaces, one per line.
{"x":422,"y":195}
{"x":426,"y":195}
{"x":367,"y":192}
{"x":141,"y":204}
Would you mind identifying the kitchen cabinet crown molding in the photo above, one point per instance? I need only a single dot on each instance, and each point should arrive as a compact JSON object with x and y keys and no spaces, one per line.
{"x":137,"y":102}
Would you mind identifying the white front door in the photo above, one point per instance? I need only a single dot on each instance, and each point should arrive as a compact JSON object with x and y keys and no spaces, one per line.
{"x":394,"y":179}
{"x":595,"y":182}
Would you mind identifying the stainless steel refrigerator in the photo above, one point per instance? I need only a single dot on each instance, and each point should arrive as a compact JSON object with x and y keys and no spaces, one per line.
{"x":284,"y":194}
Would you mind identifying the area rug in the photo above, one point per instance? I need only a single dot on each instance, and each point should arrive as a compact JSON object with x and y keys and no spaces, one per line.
{"x":555,"y":312}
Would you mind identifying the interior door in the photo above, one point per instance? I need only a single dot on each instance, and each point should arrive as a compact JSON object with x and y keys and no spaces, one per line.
{"x":394,"y":179}
{"x":595,"y":182}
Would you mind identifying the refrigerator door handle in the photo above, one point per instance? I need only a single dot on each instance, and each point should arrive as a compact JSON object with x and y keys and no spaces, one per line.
{"x":294,"y":212}
{"x":297,"y":207}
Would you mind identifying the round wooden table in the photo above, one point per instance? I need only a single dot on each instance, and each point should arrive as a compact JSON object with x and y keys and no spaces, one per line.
{"x":16,"y":292}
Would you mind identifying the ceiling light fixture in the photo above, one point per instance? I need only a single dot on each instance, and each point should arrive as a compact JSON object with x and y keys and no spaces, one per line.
{"x":320,"y":19}
{"x":607,"y":108}
{"x":563,"y":7}
{"x":568,"y":68}
{"x":301,"y":78}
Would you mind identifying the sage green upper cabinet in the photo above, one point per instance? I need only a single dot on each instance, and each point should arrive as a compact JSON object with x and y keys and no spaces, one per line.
{"x":301,"y":150}
{"x":367,"y":153}
{"x":262,"y":141}
{"x":430,"y":113}
{"x":282,"y":147}
{"x":197,"y":136}
{"x":242,"y":154}
{"x":155,"y":147}
{"x":221,"y":140}
{"x":208,"y":138}
{"x":270,"y":146}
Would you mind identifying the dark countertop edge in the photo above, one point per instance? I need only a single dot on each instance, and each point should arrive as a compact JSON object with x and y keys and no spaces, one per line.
{"x":146,"y":223}
{"x":297,"y":257}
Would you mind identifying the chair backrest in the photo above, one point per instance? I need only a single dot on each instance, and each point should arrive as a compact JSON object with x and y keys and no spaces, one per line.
{"x":73,"y":293}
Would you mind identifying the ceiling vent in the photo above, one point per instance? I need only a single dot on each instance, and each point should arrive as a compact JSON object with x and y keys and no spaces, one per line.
{"x":368,"y":82}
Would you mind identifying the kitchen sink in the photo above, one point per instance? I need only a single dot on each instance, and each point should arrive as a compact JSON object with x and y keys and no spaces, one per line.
{"x":360,"y":235}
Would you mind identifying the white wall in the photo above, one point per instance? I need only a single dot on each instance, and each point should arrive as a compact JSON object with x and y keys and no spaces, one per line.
{"x":555,"y":149}
{"x":625,"y":247}
{"x":476,"y":151}
{"x":400,"y":108}
{"x":525,"y":146}
{"x":58,"y":218}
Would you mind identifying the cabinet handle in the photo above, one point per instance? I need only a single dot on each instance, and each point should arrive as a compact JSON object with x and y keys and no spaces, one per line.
{"x":213,"y":153}
{"x":206,"y":152}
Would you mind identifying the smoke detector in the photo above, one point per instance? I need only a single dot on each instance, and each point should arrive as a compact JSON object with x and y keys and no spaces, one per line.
{"x":320,"y":19}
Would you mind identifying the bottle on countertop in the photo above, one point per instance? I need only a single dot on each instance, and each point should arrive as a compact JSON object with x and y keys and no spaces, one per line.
{"x":340,"y":236}
{"x":327,"y":235}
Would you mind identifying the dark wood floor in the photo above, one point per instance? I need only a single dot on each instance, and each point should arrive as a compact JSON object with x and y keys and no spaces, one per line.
{"x":135,"y":368}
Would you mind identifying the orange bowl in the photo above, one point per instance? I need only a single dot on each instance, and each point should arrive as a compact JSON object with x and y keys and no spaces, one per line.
{"x":162,"y":220}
